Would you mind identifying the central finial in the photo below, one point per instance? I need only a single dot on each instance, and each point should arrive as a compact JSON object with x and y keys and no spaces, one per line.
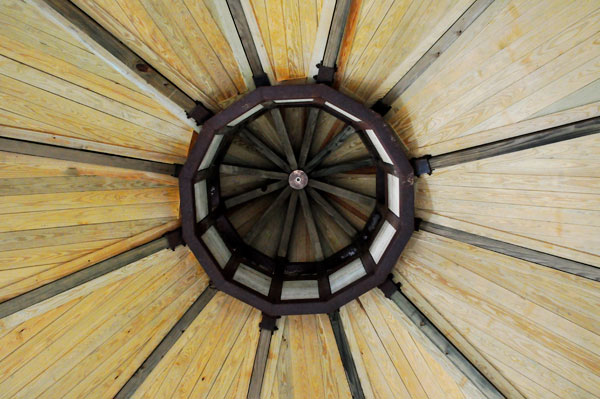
{"x":298,"y":179}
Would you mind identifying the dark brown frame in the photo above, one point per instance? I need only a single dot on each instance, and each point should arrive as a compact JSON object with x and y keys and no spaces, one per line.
{"x":326,"y":302}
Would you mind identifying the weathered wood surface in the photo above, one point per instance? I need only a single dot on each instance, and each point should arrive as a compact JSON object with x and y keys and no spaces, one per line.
{"x":502,"y":73}
{"x":260,"y":364}
{"x":213,"y":357}
{"x":58,"y":217}
{"x":165,"y":345}
{"x":88,"y":341}
{"x":544,"y":199}
{"x":542,"y":336}
{"x":304,"y":361}
{"x":346,"y":356}
{"x":393,"y":358}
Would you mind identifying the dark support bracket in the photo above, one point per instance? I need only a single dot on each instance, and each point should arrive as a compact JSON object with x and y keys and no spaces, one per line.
{"x":325,"y":74}
{"x":381,"y":108}
{"x":261,"y":80}
{"x":199,"y":113}
{"x":346,"y":356}
{"x":392,"y":291}
{"x":174,"y":238}
{"x":268,"y":322}
{"x":421,"y":165}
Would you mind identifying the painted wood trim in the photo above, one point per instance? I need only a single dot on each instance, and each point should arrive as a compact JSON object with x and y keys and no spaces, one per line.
{"x":445,"y":346}
{"x":260,"y":364}
{"x":524,"y":142}
{"x":441,"y":45}
{"x":346,"y":356}
{"x":530,"y":255}
{"x":80,"y":277}
{"x":102,"y":43}
{"x":167,"y":342}
{"x":84,"y":156}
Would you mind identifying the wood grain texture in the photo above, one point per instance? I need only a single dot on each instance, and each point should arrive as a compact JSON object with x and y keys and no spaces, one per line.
{"x":542,"y":336}
{"x":55,"y":89}
{"x":545,"y":199}
{"x":59,"y":216}
{"x":392,"y":357}
{"x":87,"y":342}
{"x":213,"y":358}
{"x":514,"y":61}
{"x":183,"y":41}
{"x":304,"y":361}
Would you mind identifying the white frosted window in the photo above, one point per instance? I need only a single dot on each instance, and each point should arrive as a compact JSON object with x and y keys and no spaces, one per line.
{"x":300,"y":289}
{"x":393,"y":190}
{"x":380,"y":150}
{"x":253,"y":279}
{"x":211,"y":152}
{"x":216,"y":246}
{"x":294,"y":100}
{"x":381,"y":241}
{"x":201,"y":200}
{"x":346,"y":275}
{"x":341,"y":111}
{"x":245,"y":115}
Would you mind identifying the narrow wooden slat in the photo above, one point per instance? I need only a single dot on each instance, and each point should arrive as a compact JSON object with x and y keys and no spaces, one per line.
{"x":541,"y":258}
{"x":100,"y":42}
{"x":331,"y":211}
{"x":336,"y":32}
{"x":519,"y":143}
{"x":256,"y":229}
{"x":343,"y":167}
{"x":80,"y":277}
{"x":334,"y":144}
{"x":346,"y":356}
{"x":167,"y":342}
{"x":284,"y":138}
{"x":342,"y":192}
{"x":309,"y":132}
{"x":264,"y":150}
{"x":258,"y":192}
{"x":310,"y":224}
{"x":72,"y":155}
{"x":288,"y":225}
{"x":441,"y":45}
{"x":445,"y":346}
{"x":240,"y":170}
{"x":260,"y":364}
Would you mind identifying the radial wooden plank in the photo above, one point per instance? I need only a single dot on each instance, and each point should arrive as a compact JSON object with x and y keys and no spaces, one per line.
{"x":80,"y":331}
{"x":544,"y":198}
{"x":76,"y":213}
{"x":546,"y":323}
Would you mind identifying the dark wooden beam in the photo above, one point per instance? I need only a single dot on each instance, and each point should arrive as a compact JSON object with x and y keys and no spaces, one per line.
{"x":244,"y":171}
{"x":288,"y":225}
{"x":530,"y":255}
{"x":309,"y":132}
{"x":241,"y":24}
{"x":331,"y":211}
{"x":441,"y":45}
{"x":124,"y":60}
{"x":260,"y":363}
{"x":346,"y":356}
{"x":343,"y":167}
{"x":284,"y":138}
{"x":138,"y":378}
{"x":524,"y":142}
{"x":342,"y":192}
{"x":84,"y":156}
{"x":256,"y":229}
{"x":330,"y":147}
{"x":311,"y":226}
{"x":327,"y":66}
{"x":264,"y":150}
{"x":441,"y":342}
{"x":257,"y":192}
{"x":82,"y":276}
